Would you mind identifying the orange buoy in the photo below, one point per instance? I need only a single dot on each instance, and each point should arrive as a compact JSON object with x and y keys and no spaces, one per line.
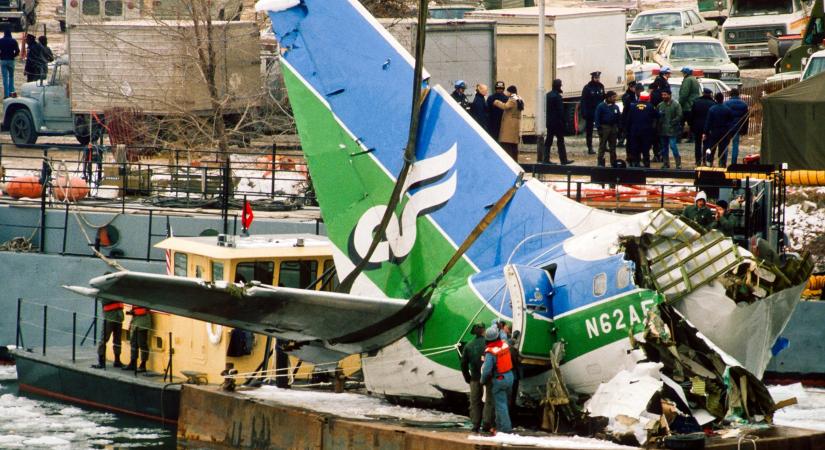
{"x":76,"y":189}
{"x":28,"y":187}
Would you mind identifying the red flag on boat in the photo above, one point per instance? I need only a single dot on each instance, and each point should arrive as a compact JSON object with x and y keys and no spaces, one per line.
{"x":247,"y":217}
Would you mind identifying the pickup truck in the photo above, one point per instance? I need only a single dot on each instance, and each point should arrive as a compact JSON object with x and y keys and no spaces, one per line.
{"x":19,"y":13}
{"x":42,"y":108}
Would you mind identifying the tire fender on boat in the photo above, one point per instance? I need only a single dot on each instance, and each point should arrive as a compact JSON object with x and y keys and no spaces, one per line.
{"x":215,"y":334}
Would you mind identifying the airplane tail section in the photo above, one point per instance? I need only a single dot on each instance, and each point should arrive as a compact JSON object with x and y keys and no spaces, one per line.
{"x":349,"y":86}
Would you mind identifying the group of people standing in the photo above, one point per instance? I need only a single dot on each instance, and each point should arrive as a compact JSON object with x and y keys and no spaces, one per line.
{"x":650,"y":120}
{"x":490,"y":365}
{"x":141,"y":323}
{"x":38,"y":56}
{"x":499,"y":113}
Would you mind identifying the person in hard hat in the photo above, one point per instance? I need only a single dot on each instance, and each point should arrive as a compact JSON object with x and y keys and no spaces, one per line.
{"x":479,"y":109}
{"x":688,"y":93}
{"x":459,"y":96}
{"x":498,"y":368}
{"x":699,"y":212}
{"x":641,"y":128}
{"x":481,"y":414}
{"x":592,"y":96}
{"x":670,"y":128}
{"x":495,"y":113}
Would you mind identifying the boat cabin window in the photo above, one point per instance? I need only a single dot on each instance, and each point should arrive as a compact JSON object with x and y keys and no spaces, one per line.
{"x":263,"y":271}
{"x":297,"y":274}
{"x":113,"y":8}
{"x":599,"y":284}
{"x":198,"y":272}
{"x":217,"y":271}
{"x":180,"y":264}
{"x":91,"y":7}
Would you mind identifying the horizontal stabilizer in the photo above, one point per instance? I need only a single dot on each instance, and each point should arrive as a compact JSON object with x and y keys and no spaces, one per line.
{"x":287,"y":313}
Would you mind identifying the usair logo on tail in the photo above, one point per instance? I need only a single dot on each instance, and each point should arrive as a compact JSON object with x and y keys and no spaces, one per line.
{"x":401,"y":234}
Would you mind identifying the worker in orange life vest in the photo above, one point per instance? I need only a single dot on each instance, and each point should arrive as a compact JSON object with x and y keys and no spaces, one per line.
{"x":139,"y":337}
{"x":498,"y":366}
{"x":112,"y":326}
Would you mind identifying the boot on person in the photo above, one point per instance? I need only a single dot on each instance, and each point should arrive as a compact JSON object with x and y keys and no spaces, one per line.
{"x":101,"y":363}
{"x":131,"y":366}
{"x":117,"y":364}
{"x":678,"y":162}
{"x":142,"y":367}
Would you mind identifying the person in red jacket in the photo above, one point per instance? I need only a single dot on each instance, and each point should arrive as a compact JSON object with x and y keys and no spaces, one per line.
{"x":498,"y":366}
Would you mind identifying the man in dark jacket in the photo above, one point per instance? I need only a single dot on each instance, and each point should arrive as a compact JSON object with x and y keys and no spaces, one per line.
{"x":36,"y":61}
{"x":592,"y":95}
{"x":641,"y":126}
{"x":739,"y":109}
{"x":628,"y":98}
{"x":459,"y":96}
{"x":478,"y":109}
{"x":471,"y":360}
{"x":555,"y":119}
{"x":607,"y":122}
{"x":699,"y":115}
{"x":9,"y":49}
{"x":660,"y":85}
{"x":717,"y":131}
{"x":495,"y":113}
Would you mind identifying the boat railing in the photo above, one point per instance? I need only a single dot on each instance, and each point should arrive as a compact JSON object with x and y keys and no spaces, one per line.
{"x":52,"y":323}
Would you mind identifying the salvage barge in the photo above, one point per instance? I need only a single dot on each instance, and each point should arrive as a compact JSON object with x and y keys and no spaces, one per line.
{"x":214,"y":419}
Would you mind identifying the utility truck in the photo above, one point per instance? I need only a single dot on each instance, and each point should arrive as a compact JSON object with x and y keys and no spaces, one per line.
{"x":578,"y":41}
{"x":121,"y":58}
{"x":751,"y":22}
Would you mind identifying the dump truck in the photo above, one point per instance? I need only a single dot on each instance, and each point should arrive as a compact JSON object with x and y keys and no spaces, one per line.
{"x":579,"y":41}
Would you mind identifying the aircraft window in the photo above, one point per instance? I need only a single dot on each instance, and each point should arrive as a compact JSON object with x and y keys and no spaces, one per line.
{"x":600,"y":284}
{"x":217,"y":271}
{"x":180,"y":264}
{"x":198,"y":272}
{"x":623,"y":277}
{"x":263,"y":271}
{"x":332,"y":283}
{"x":297,"y":274}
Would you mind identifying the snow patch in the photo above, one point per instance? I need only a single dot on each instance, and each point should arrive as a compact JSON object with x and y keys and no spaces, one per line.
{"x":559,"y":442}
{"x":8,"y":373}
{"x":357,"y":406}
{"x":808,"y":413}
{"x":275,"y":5}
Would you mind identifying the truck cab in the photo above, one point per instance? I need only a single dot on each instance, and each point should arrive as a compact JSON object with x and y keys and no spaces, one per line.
{"x":42,"y":108}
{"x":745,"y":33}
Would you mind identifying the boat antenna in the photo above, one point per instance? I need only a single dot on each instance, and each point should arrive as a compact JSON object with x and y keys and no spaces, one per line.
{"x":419,"y":94}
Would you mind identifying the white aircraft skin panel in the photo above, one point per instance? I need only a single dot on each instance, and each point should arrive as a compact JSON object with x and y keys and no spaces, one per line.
{"x":577,"y":217}
{"x":603,"y":241}
{"x":401,"y":369}
{"x":585,"y":373}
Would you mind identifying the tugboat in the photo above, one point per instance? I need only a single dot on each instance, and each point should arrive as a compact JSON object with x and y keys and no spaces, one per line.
{"x":183,"y":350}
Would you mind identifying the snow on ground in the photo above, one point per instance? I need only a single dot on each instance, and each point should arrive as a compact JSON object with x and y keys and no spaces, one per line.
{"x":803,"y":223}
{"x":356,"y":406}
{"x":35,"y":424}
{"x":556,"y":442}
{"x":8,"y":373}
{"x":808,"y":413}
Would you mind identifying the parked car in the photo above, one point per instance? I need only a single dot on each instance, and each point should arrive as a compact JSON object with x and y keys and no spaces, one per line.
{"x":710,"y":83}
{"x":636,"y":68}
{"x":650,"y":27}
{"x":698,"y":52}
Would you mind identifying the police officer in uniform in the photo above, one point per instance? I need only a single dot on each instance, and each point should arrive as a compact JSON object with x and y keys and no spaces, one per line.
{"x":112,"y":327}
{"x":592,"y":96}
{"x":498,"y":367}
{"x":459,"y":96}
{"x":641,"y":126}
{"x":139,"y":337}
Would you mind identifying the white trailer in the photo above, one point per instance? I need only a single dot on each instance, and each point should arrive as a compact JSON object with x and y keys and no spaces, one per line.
{"x":582,"y":40}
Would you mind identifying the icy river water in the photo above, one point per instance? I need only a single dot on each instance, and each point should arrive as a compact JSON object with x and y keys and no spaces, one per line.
{"x":37,"y":423}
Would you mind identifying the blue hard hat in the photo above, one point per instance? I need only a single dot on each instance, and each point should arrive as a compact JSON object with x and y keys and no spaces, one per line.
{"x":665,"y":70}
{"x":460,"y":84}
{"x":687,"y":70}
